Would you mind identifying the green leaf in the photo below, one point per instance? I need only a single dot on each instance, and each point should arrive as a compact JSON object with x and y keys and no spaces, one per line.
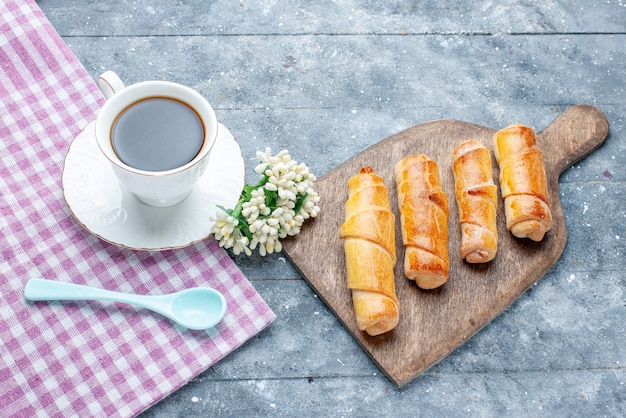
{"x":228,"y":211}
{"x":246,"y":195}
{"x":300,"y":202}
{"x":271,"y":197}
{"x":245,"y":228}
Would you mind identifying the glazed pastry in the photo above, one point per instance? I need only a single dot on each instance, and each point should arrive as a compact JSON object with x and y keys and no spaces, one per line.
{"x":370,"y":249}
{"x":477,"y":197}
{"x":424,"y":218}
{"x":523,"y":182}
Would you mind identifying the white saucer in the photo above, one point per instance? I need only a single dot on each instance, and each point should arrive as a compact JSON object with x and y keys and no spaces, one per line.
{"x":115,"y":215}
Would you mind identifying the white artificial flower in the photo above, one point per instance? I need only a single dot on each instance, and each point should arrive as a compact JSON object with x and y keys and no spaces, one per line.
{"x":240,"y":243}
{"x":223,"y":229}
{"x":266,"y":214}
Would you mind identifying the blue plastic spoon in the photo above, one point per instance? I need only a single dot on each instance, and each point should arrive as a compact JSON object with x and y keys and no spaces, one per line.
{"x":195,"y":308}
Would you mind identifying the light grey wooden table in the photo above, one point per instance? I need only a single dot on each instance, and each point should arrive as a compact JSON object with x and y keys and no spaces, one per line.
{"x":326,"y":79}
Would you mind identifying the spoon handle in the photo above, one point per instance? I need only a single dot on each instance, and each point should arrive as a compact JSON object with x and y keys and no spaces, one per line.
{"x":40,"y":289}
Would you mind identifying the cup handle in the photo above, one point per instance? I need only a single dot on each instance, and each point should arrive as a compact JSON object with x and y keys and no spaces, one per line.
{"x":109,"y":83}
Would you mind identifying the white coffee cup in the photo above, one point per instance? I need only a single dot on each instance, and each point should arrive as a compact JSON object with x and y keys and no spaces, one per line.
{"x":154,"y":188}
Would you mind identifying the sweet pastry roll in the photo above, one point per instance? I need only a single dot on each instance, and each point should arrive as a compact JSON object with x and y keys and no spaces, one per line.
{"x":477,"y":198}
{"x":523,"y":182}
{"x":423,"y":207}
{"x":369,"y":239}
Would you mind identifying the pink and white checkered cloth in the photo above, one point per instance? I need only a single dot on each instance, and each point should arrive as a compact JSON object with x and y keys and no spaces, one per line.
{"x":86,"y":358}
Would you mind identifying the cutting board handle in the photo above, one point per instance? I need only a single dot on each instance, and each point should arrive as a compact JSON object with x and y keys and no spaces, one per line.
{"x":572,"y":135}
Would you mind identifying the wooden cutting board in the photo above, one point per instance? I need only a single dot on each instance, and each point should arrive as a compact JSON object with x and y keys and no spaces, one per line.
{"x":433,"y":323}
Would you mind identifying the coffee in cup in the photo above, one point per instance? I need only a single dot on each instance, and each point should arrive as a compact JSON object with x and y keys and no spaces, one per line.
{"x":157,"y":134}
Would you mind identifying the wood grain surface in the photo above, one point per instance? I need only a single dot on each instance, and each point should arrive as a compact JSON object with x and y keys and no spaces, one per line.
{"x":433,"y":323}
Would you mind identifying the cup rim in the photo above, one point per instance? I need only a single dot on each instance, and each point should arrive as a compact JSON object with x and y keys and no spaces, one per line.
{"x":157,"y":89}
